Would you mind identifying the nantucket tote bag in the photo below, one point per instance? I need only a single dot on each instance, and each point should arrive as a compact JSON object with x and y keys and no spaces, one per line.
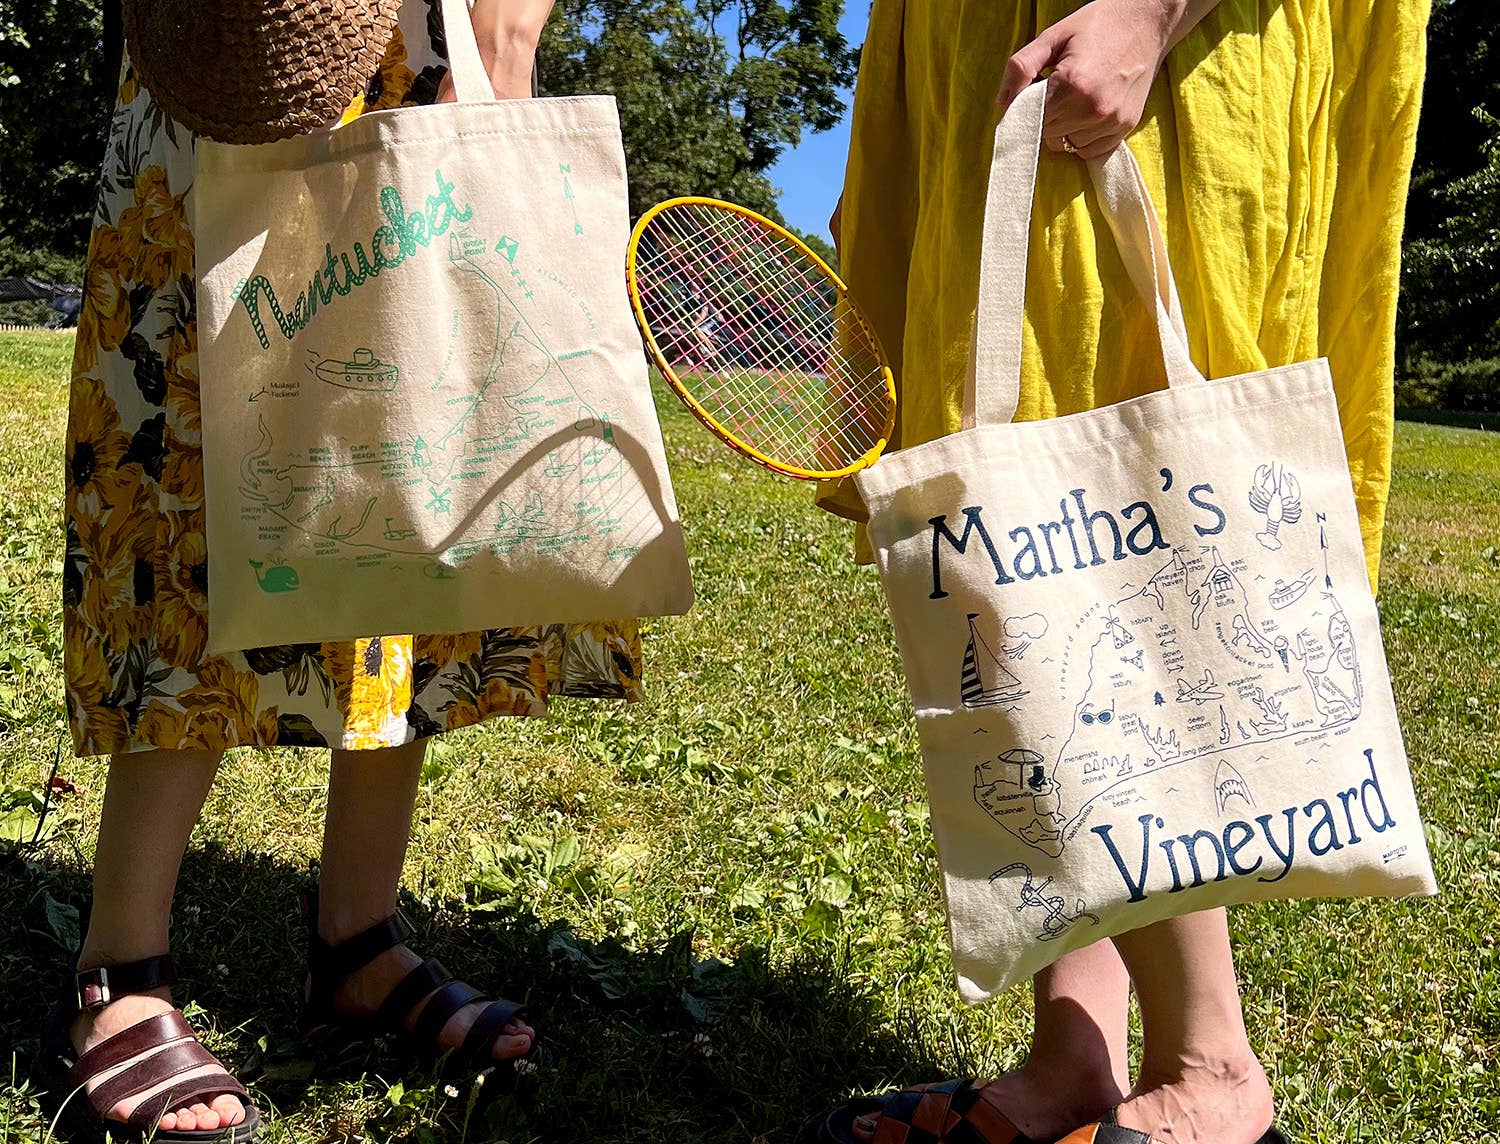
{"x":1141,"y":642}
{"x":425,"y":403}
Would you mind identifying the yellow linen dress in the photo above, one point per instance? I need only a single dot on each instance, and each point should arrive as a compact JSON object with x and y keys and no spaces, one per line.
{"x":135,"y":620}
{"x":1277,"y":145}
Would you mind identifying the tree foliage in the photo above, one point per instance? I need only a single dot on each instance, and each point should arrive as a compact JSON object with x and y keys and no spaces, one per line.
{"x":55,"y":89}
{"x":711,"y":92}
{"x":1450,"y":284}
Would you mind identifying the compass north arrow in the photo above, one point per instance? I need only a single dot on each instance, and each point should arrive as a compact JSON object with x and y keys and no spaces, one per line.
{"x":568,"y":194}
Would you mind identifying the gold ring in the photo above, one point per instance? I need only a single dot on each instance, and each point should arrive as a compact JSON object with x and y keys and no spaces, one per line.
{"x":1068,"y":146}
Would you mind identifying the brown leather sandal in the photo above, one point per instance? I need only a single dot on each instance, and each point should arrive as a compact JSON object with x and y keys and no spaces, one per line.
{"x":177,"y":1051}
{"x":330,"y":965}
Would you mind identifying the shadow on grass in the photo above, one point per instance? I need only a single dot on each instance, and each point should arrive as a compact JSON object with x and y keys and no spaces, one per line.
{"x":650,"y":1044}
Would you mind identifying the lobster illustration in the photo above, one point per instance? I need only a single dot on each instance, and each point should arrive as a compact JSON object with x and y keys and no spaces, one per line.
{"x":1277,"y":495}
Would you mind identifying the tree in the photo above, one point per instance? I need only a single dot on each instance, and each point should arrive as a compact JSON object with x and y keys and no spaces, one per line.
{"x":1450,"y":275}
{"x":55,"y":91}
{"x":711,"y":92}
{"x":1452,"y":278}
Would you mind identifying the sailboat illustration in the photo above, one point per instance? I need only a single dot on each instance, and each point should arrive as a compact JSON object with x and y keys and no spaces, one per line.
{"x":985,"y":680}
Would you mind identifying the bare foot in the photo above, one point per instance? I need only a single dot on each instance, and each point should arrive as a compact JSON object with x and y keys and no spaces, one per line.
{"x":1207,"y":1102}
{"x":89,"y":1030}
{"x":1037,"y":1101}
{"x":368,"y":987}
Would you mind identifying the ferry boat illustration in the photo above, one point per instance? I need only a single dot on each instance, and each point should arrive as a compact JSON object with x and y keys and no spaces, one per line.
{"x":363,"y":371}
{"x":985,"y":681}
{"x":1284,"y":595}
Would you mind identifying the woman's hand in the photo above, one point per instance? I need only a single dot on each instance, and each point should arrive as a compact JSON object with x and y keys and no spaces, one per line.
{"x":508,"y":32}
{"x":1103,"y":59}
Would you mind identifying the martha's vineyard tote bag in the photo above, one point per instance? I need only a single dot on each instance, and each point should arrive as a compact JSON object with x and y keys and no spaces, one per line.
{"x":1141,"y":641}
{"x":425,"y":404}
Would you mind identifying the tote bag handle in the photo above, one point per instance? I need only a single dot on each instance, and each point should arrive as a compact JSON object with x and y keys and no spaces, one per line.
{"x":471,"y":83}
{"x":994,"y":385}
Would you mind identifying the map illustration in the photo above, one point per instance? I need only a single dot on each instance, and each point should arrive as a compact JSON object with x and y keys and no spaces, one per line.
{"x":1051,"y":913}
{"x":495,"y":445}
{"x":1209,"y":657}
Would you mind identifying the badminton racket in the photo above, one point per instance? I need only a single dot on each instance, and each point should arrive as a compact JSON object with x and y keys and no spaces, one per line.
{"x":760,"y":339}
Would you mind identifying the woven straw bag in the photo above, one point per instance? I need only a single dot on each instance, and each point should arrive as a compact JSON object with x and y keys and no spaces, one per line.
{"x":252,"y":71}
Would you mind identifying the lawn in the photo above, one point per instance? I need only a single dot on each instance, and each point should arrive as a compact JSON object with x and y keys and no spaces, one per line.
{"x":722,"y":902}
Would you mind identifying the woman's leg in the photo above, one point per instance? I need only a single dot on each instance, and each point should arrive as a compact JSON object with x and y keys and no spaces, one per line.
{"x":151,"y":803}
{"x":1199,"y":1081}
{"x":1081,"y":1032}
{"x":1078,"y":1067}
{"x":371,"y":795}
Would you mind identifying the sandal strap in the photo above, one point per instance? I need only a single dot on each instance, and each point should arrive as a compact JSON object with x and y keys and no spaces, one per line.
{"x":202,"y":1088}
{"x":330,"y":964}
{"x":93,"y":989}
{"x":953,"y":1112}
{"x":479,"y":1042}
{"x":145,"y":1074}
{"x":440,"y":1009}
{"x":132,"y":1041}
{"x":426,"y":978}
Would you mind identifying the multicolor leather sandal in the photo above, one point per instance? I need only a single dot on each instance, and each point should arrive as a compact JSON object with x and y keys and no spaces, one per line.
{"x":1106,"y":1131}
{"x":173,"y":1050}
{"x":953,"y":1112}
{"x":330,"y":965}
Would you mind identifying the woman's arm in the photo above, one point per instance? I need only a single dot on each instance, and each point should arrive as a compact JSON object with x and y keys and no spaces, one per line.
{"x":1103,"y":59}
{"x":508,"y":32}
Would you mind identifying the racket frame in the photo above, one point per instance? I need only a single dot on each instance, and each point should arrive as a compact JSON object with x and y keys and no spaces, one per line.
{"x":727,"y":435}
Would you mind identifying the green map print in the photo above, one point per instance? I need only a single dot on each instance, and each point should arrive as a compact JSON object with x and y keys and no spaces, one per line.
{"x":509,"y":402}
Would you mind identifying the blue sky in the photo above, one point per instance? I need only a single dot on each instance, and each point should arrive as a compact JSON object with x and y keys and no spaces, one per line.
{"x":811,"y":176}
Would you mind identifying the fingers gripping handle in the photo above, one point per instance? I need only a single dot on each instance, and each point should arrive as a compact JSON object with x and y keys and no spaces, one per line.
{"x":994,"y":384}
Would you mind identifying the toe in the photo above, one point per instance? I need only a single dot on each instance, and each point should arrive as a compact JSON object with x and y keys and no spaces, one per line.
{"x":865,"y":1127}
{"x":186,"y":1121}
{"x":205,"y":1117}
{"x":518,"y":1027}
{"x":508,"y":1048}
{"x":167,"y":1123}
{"x":229,"y":1109}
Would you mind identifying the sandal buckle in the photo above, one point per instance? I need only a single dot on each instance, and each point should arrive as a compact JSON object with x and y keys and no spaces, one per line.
{"x":92,"y":989}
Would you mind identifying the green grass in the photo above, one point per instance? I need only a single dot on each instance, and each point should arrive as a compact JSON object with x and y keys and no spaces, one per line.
{"x":723,"y":902}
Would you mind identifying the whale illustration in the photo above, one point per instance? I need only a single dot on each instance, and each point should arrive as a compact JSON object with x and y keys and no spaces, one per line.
{"x":277,"y":578}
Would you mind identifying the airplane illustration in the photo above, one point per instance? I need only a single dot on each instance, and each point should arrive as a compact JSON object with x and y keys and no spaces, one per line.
{"x":1200,"y":692}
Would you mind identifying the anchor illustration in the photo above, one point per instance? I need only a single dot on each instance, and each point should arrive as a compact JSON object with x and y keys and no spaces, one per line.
{"x":1056,"y":921}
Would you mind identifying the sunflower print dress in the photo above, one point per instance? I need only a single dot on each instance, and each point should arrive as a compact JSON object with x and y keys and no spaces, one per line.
{"x":135,"y":575}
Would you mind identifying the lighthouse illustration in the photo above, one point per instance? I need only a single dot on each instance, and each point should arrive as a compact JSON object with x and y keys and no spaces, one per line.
{"x":985,"y":681}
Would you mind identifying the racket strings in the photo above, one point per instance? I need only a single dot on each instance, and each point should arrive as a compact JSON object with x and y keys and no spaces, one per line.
{"x":760,"y":339}
{"x":774,"y":299}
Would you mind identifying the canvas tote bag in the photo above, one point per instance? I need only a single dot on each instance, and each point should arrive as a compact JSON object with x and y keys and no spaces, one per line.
{"x":425,"y":404}
{"x":1141,"y":641}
